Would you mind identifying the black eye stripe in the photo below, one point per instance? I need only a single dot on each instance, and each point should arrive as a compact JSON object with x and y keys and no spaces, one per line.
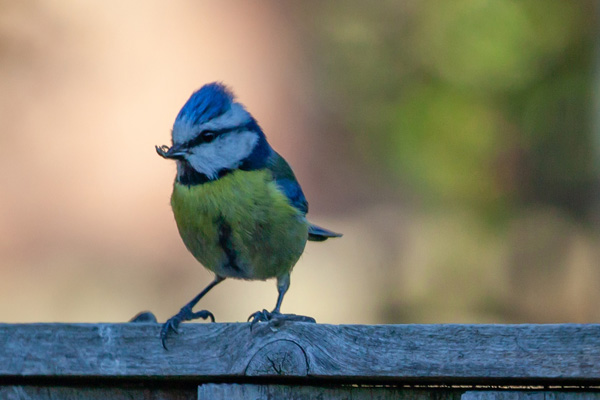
{"x":207,"y":136}
{"x":203,"y":137}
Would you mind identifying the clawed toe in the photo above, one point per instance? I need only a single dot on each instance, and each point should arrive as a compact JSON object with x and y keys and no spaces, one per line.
{"x":277,"y":318}
{"x":185,"y":314}
{"x":170,"y":326}
{"x":258,"y":316}
{"x":204,"y":314}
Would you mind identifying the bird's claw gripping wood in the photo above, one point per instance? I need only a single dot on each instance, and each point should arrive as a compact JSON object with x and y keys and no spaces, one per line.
{"x":276,"y":318}
{"x":185,"y":314}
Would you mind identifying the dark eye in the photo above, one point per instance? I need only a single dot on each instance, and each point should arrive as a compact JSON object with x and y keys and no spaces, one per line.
{"x":208,"y":136}
{"x":202,"y":137}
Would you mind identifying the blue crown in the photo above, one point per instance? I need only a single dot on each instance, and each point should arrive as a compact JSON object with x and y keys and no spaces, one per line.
{"x":208,"y":102}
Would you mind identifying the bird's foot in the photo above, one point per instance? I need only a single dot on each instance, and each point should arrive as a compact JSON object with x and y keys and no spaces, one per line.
{"x":185,"y":314}
{"x":275,"y":318}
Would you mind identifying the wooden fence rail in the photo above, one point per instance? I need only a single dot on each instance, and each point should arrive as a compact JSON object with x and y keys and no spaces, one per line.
{"x":300,"y":361}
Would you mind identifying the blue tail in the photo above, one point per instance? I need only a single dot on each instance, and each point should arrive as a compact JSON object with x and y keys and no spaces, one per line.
{"x":318,"y":234}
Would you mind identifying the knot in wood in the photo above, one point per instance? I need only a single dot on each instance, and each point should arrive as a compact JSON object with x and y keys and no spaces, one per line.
{"x":280,"y":357}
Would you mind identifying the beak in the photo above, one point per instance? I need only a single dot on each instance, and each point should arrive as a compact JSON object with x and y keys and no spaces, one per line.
{"x":172,"y":153}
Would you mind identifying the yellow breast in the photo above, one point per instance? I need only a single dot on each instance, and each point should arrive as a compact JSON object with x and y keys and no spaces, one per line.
{"x":240,"y":225}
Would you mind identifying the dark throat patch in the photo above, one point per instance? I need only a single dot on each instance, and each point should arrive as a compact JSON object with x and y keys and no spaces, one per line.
{"x":188,"y":176}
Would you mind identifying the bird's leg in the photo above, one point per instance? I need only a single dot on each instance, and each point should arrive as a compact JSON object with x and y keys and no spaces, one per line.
{"x":186,"y":313}
{"x":283,"y":283}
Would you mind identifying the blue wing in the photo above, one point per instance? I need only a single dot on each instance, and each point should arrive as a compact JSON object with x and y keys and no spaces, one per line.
{"x":286,"y":180}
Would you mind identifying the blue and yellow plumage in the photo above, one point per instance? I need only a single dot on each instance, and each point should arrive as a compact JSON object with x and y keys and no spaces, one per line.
{"x":237,"y":204}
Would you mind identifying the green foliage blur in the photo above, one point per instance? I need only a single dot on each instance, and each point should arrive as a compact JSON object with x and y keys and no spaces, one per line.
{"x":482,"y":104}
{"x":477,"y":123}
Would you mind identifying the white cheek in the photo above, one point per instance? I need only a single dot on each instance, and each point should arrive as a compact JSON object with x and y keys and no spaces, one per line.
{"x":225,"y":152}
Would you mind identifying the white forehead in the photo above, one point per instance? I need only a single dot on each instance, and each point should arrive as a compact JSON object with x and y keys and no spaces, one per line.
{"x":185,"y":130}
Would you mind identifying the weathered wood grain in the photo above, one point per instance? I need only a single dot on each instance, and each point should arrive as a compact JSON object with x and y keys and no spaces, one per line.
{"x":528,"y":395}
{"x":557,"y":354}
{"x":221,"y":391}
{"x":35,"y":392}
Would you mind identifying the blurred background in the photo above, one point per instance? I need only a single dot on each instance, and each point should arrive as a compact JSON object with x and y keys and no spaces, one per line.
{"x":456,"y":145}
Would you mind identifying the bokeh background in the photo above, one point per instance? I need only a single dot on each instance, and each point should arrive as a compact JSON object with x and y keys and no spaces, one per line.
{"x":456,"y":144}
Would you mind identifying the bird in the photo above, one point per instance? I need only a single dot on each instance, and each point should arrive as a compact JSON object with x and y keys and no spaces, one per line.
{"x":238,"y":206}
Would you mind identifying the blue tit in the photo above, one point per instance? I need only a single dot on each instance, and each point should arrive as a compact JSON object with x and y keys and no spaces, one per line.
{"x":238,"y":206}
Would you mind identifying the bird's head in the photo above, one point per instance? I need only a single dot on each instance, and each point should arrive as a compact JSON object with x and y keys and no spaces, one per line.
{"x":214,"y":134}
